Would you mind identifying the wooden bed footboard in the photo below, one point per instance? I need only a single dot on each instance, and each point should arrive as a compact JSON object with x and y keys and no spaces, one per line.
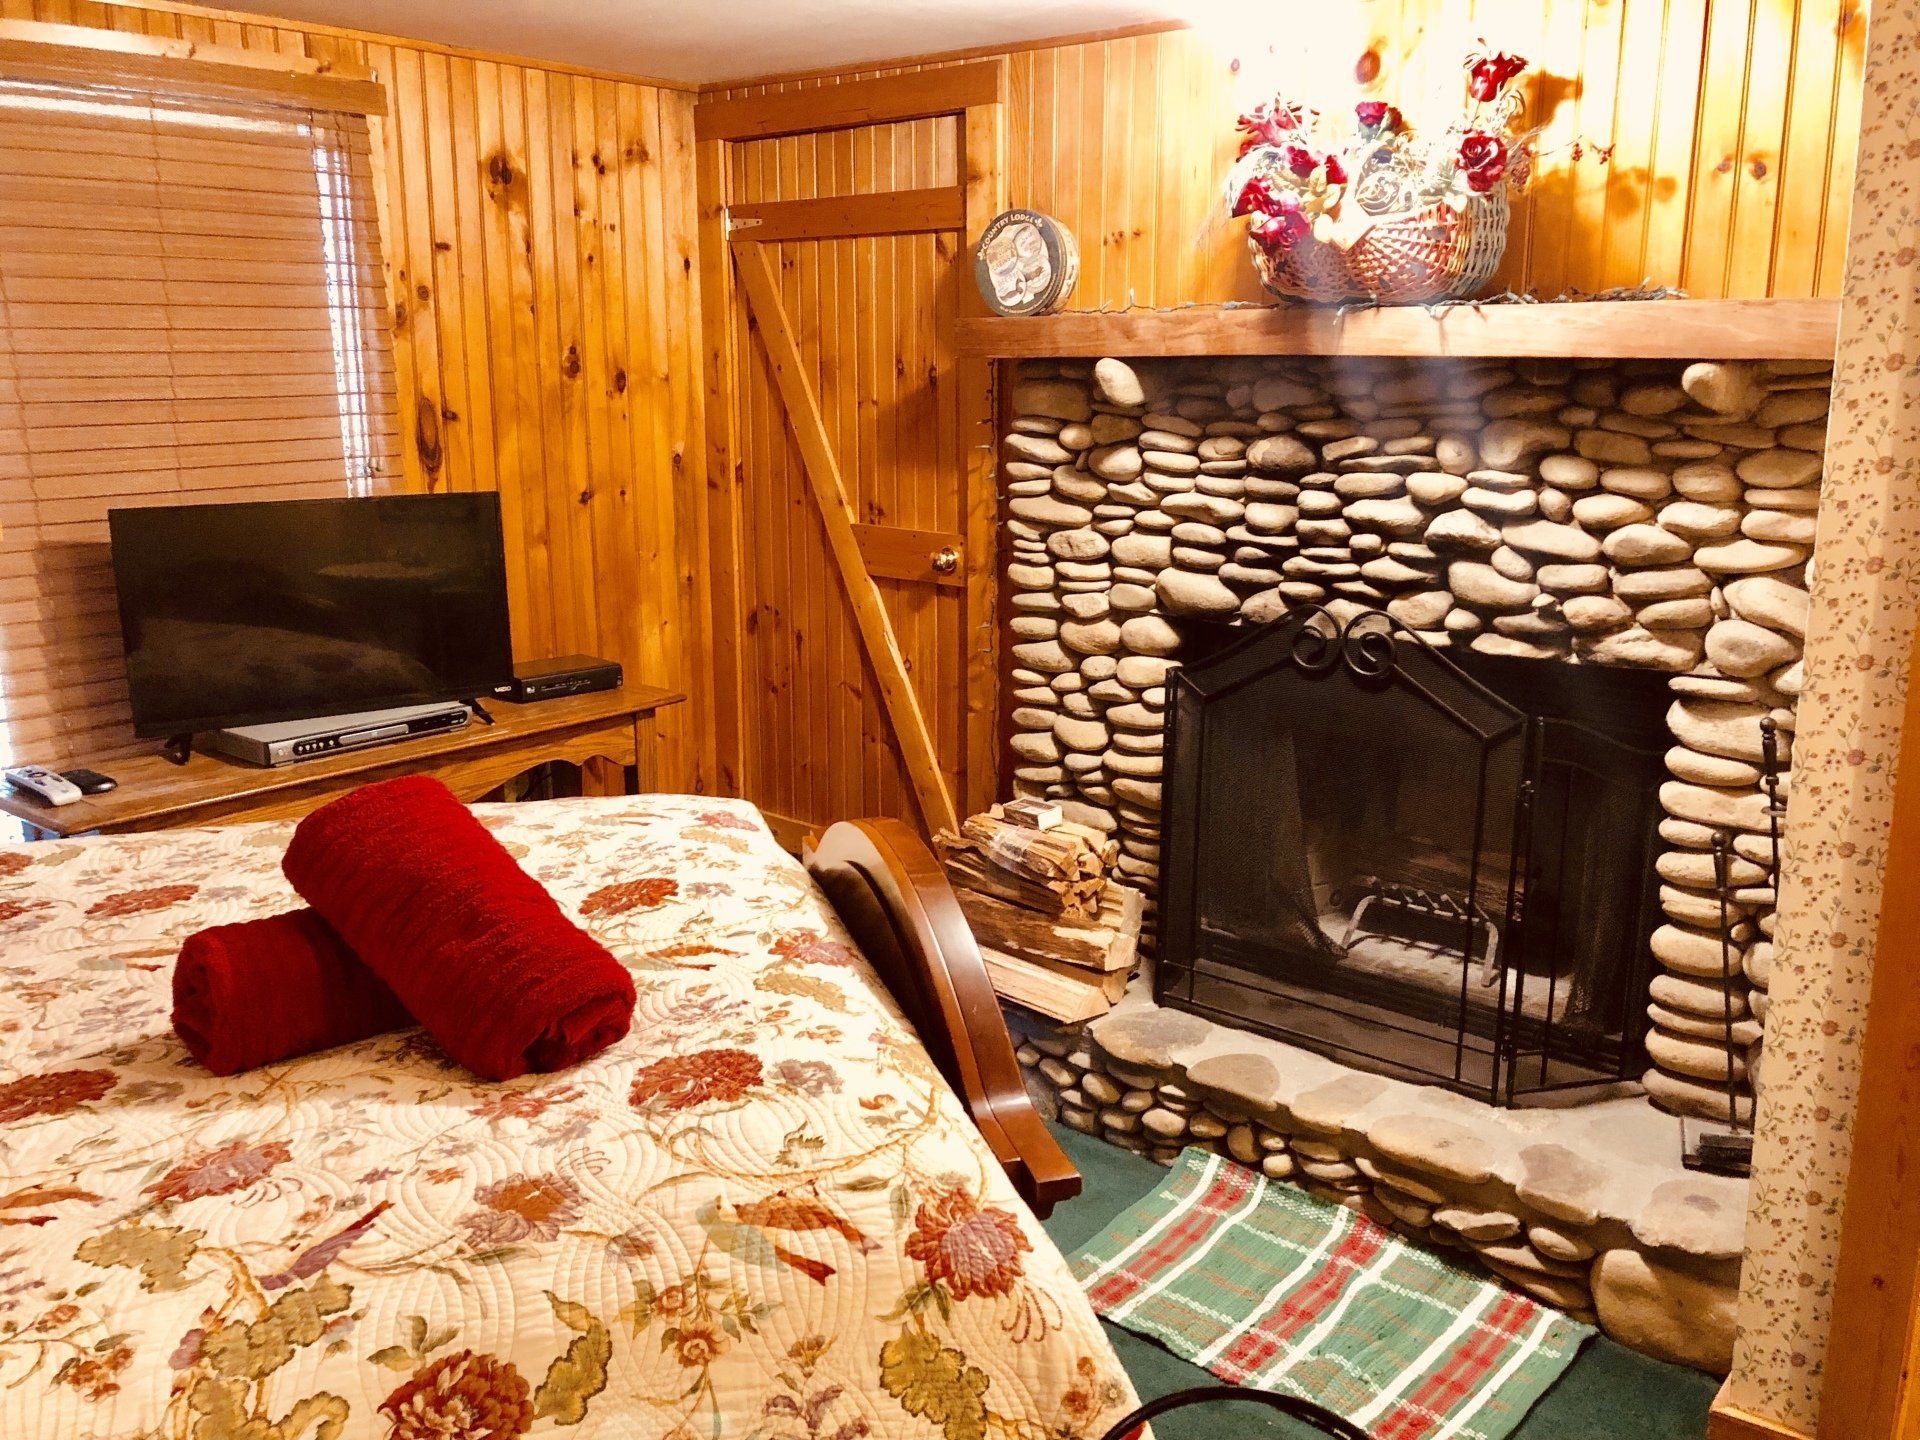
{"x":893,"y":897}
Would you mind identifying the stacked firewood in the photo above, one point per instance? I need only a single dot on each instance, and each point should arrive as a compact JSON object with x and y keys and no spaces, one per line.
{"x":1057,"y":934}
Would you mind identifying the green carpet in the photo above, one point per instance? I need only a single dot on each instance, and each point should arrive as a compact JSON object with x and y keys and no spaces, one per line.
{"x":1609,"y":1393}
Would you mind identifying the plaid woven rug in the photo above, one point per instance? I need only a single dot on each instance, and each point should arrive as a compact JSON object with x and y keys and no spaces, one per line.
{"x":1267,"y":1286}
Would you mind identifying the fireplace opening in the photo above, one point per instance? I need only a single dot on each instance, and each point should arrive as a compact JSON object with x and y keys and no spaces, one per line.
{"x":1441,"y":869}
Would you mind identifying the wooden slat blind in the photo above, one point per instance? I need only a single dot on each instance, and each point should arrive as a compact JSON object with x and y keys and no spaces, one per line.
{"x":191,"y":310}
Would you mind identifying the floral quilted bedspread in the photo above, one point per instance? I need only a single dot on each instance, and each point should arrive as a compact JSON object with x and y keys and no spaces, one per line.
{"x":762,"y":1214}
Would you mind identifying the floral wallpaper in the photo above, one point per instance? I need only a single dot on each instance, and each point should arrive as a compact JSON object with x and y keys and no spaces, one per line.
{"x":1866,"y":591}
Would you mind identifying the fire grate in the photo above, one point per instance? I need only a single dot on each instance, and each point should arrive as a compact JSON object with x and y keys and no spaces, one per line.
{"x":1438,"y":869}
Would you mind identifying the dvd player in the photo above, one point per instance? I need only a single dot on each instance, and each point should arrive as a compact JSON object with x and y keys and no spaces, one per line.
{"x":569,"y":675}
{"x":287,"y":741}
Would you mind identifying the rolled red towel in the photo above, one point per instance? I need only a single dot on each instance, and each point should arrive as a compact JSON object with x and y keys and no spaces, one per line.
{"x":471,"y":944}
{"x":264,"y":990}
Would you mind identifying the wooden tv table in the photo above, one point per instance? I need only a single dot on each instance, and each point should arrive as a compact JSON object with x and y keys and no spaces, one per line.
{"x":155,"y":794}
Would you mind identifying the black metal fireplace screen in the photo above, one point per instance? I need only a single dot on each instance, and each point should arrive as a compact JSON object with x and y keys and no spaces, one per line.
{"x":1433,"y":868}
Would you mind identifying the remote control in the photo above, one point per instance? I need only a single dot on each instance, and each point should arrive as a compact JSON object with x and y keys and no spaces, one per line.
{"x":43,"y":784}
{"x":89,"y":782}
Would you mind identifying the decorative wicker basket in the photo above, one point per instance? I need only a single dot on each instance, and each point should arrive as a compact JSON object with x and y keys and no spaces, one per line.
{"x":1410,"y":258}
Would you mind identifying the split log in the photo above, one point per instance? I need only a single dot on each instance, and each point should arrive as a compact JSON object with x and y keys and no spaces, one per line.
{"x":1031,"y":935}
{"x":1060,"y":992}
{"x":969,"y":869}
{"x":1063,"y":852}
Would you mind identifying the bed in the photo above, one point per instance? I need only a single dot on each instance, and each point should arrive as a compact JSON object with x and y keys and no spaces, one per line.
{"x":771,"y":1211}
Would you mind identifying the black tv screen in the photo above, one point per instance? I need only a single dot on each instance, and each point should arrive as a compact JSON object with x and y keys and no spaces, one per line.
{"x":290,"y":609}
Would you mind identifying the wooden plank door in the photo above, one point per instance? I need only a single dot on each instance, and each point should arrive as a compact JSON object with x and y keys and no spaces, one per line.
{"x":852,"y":513}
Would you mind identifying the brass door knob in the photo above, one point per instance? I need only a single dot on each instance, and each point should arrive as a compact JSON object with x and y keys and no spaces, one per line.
{"x":946,"y":561}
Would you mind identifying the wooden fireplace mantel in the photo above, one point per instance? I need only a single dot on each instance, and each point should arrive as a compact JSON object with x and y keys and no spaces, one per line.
{"x":1593,"y":329}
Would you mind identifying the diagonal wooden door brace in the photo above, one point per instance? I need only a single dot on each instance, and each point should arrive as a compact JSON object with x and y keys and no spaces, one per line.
{"x":877,"y":637}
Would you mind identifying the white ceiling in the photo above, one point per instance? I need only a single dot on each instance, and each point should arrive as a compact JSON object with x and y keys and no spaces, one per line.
{"x":709,"y":40}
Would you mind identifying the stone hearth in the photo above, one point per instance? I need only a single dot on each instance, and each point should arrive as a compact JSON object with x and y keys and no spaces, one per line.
{"x":1587,"y":1208}
{"x":1627,"y":513}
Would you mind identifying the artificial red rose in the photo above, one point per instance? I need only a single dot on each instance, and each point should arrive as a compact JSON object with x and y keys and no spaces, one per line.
{"x":1336,"y":172}
{"x":1301,"y":161}
{"x":1484,"y":159}
{"x":54,"y":1093}
{"x":972,"y":1249}
{"x":462,"y":1396}
{"x":1489,"y":75}
{"x":1282,"y":227}
{"x":1377,"y":115}
{"x":1255,"y":198}
{"x":680,"y":1082}
{"x":1267,"y":124}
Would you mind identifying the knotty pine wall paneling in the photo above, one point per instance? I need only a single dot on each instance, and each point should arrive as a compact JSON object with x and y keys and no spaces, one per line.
{"x":539,"y":230}
{"x":1732,"y":126}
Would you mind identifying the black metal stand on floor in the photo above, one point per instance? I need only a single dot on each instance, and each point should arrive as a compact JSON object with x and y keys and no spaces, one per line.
{"x":1318,"y":1416}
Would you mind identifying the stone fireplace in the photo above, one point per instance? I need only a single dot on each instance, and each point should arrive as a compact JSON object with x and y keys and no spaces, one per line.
{"x":1651,"y":517}
{"x":1599,"y":569}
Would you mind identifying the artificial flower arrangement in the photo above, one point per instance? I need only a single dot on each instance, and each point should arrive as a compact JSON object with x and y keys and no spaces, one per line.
{"x":1378,"y":212}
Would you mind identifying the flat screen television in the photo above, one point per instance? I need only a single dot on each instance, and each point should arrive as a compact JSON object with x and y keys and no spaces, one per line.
{"x":290,"y":609}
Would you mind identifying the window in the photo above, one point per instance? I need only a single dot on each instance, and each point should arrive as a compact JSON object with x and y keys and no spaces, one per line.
{"x":191,"y":310}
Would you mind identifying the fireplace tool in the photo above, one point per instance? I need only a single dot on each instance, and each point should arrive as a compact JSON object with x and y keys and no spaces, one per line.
{"x":1420,"y":912}
{"x":1732,"y":1153}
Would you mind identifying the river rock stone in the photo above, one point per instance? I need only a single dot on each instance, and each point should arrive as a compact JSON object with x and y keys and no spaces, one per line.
{"x":1091,"y":637}
{"x":1054,"y":514}
{"x":1184,"y":592}
{"x":1748,"y":557}
{"x":1151,"y":635}
{"x":1609,"y":511}
{"x":1280,"y":453}
{"x":1509,"y":444}
{"x":1734,"y":809}
{"x":1482,"y":585}
{"x":1646,"y":545}
{"x":1077,"y":544}
{"x":1561,"y":1184}
{"x":1779,"y":469}
{"x":1610,"y":447}
{"x":1060,"y":399}
{"x":1556,"y":542}
{"x":1118,"y":383}
{"x":1770,"y":601}
{"x":1742,"y":649}
{"x":1636,"y":482}
{"x":1671,"y":650}
{"x":1708,"y":1060}
{"x":1698,"y":520}
{"x":1595,"y":614}
{"x":1431,"y":1145}
{"x":1664,"y":1311}
{"x":1462,"y":530}
{"x":1390,"y":516}
{"x":1488,"y":1227}
{"x":1727,"y":387}
{"x":1696,"y":1217}
{"x":1722,"y":728}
